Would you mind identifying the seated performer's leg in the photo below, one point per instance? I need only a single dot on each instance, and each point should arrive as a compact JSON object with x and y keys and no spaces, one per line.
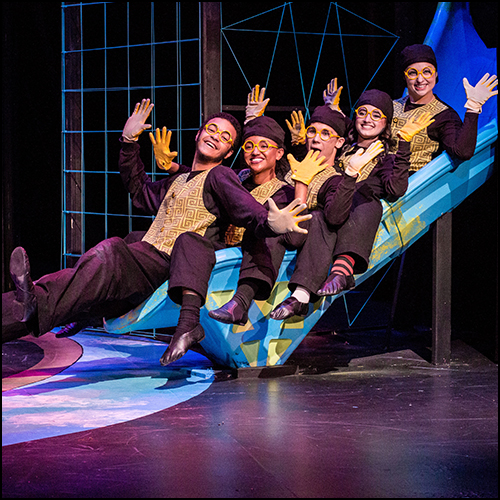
{"x":311,"y":268}
{"x":110,"y":273}
{"x":193,"y":259}
{"x":87,"y":321}
{"x":260,"y":263}
{"x":354,"y":245}
{"x":260,"y":266}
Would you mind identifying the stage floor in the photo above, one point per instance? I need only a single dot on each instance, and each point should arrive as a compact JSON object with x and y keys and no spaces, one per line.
{"x":96,"y":416}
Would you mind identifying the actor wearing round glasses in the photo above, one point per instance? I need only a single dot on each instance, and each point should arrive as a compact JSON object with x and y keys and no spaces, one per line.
{"x":262,"y":258}
{"x":420,"y":70}
{"x":266,"y":167}
{"x":348,"y":240}
{"x":444,"y":131}
{"x":111,"y":278}
{"x":328,"y":192}
{"x":263,"y":152}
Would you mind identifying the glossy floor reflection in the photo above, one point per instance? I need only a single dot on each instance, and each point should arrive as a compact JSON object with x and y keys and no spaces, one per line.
{"x":354,"y":421}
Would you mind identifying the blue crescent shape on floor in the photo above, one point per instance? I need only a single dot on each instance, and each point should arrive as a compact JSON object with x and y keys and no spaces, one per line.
{"x":115,"y":380}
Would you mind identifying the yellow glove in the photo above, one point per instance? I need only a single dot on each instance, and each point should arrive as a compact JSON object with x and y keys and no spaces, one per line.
{"x":304,"y":171}
{"x":297,"y":128}
{"x":331,"y":96}
{"x":414,"y":125}
{"x":256,"y":105}
{"x":478,"y":95}
{"x":161,"y":148}
{"x":135,"y":124}
{"x":362,"y":157}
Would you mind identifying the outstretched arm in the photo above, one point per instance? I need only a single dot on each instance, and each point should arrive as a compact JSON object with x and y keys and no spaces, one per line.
{"x":136,"y":122}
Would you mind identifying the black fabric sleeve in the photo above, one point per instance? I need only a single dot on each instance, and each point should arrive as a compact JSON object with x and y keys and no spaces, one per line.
{"x":338,"y":199}
{"x":146,"y":195}
{"x":394,"y":173}
{"x":226,"y":198}
{"x":456,"y":138}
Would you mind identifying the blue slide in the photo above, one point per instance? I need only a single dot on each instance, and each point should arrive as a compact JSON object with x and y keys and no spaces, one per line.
{"x":433,"y":191}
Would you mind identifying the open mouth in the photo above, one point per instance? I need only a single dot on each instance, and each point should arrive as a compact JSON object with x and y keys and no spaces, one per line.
{"x":211,"y":145}
{"x":256,"y":159}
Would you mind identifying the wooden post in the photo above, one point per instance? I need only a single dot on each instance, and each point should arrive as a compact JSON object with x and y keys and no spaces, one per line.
{"x":210,"y":58}
{"x":72,"y":181}
{"x":441,"y":291}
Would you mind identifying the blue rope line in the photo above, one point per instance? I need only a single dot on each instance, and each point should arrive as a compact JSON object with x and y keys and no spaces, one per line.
{"x":236,"y":59}
{"x":343,"y":54}
{"x":106,"y":141}
{"x":82,"y":192}
{"x":305,"y":33}
{"x":319,"y":55}
{"x":298,"y":62}
{"x":79,"y":4}
{"x":366,"y":20}
{"x":370,"y":296}
{"x":256,"y":15}
{"x":374,"y":74}
{"x":179,"y":78}
{"x":138,"y":87}
{"x":275,"y":45}
{"x":128,"y":46}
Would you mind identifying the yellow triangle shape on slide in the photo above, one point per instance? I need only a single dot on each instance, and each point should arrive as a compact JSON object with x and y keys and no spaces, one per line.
{"x":251,"y":351}
{"x":276,"y":349}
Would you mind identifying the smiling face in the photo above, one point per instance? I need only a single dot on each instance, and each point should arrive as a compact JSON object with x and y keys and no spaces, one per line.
{"x":420,"y":89}
{"x":211,"y":147}
{"x":262,"y":164}
{"x":366,"y":127}
{"x":327,"y":148}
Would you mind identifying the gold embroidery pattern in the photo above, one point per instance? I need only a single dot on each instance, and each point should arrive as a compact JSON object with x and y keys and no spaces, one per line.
{"x":315,"y":185}
{"x":365,"y":171}
{"x":261,"y":193}
{"x":422,"y":147}
{"x":181,"y":210}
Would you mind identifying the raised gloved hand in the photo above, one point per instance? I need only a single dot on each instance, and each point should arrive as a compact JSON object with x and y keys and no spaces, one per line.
{"x":304,"y":171}
{"x":287,"y":219}
{"x":331,"y":96}
{"x":256,"y":105}
{"x":297,"y":128}
{"x":136,"y":123}
{"x":414,"y":125}
{"x":362,"y":157}
{"x":478,"y":95}
{"x":161,"y":148}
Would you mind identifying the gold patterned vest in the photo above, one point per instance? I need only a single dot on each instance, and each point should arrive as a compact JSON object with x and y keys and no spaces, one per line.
{"x":365,"y":171}
{"x":422,"y":147}
{"x":315,"y":185}
{"x":261,"y":193}
{"x":181,"y":210}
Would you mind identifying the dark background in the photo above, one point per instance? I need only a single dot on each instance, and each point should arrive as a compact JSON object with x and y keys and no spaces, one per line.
{"x":31,"y":164}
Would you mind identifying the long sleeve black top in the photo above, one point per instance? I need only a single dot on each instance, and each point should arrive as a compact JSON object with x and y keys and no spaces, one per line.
{"x":455,"y":137}
{"x":223,"y":195}
{"x":388,"y":180}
